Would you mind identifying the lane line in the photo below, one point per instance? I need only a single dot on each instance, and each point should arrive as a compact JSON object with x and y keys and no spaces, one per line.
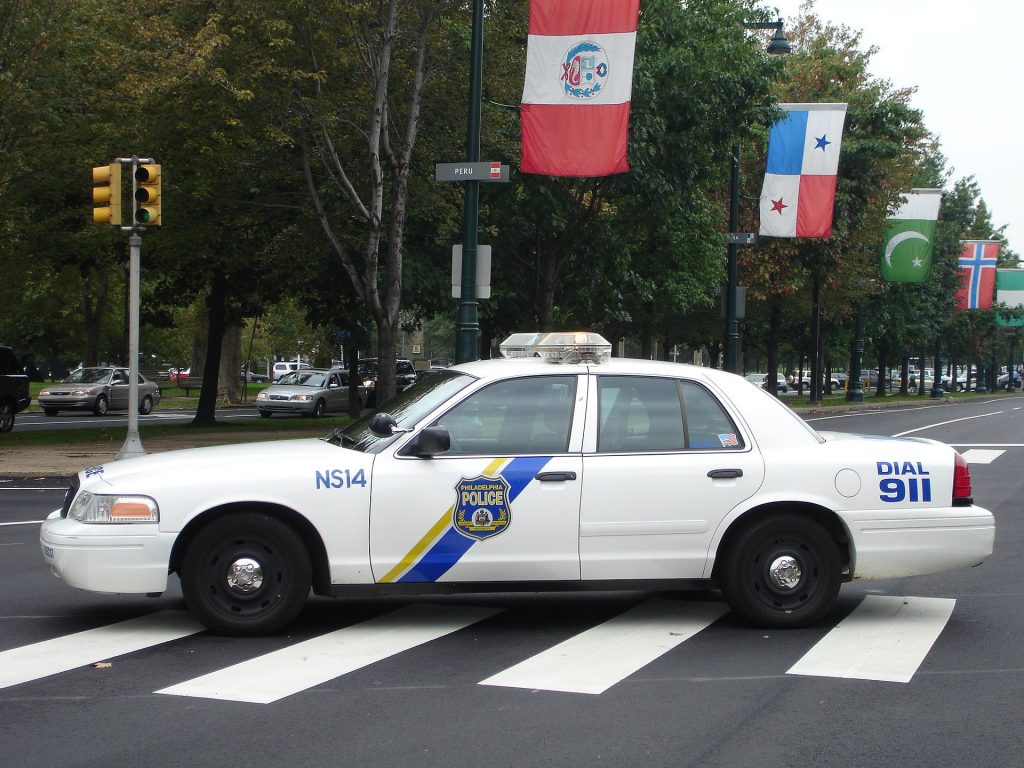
{"x":267,"y":678}
{"x":981,"y":456}
{"x":23,"y":522}
{"x":595,"y":660}
{"x":944,"y":423}
{"x":987,"y":445}
{"x":49,"y":657}
{"x":886,"y":638}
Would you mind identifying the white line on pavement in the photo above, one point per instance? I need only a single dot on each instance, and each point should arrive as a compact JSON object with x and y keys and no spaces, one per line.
{"x":944,"y":423}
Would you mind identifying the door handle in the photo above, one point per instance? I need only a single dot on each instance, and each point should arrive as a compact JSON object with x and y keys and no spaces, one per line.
{"x":561,"y":477}
{"x":718,"y":474}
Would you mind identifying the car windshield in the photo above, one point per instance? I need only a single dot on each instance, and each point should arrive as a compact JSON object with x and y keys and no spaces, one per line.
{"x":409,"y":408}
{"x":306,"y":379}
{"x":88,"y":376}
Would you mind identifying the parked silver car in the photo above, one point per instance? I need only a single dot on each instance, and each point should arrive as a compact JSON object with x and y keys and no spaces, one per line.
{"x":98,"y":390}
{"x":312,"y":392}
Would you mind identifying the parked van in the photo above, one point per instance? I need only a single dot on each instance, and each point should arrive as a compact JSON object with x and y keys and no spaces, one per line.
{"x":282,"y":367}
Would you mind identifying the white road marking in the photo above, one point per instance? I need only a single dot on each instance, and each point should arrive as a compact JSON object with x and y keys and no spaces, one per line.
{"x":23,"y":522}
{"x":885,"y":638}
{"x":31,"y":662}
{"x":594,"y":661}
{"x":981,"y":456}
{"x":267,"y":678}
{"x":944,"y":423}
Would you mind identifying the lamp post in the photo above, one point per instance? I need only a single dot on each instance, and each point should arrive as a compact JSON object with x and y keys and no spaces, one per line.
{"x":778,"y":45}
{"x":467,"y":325}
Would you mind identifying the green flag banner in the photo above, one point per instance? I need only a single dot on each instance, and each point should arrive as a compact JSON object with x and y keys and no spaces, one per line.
{"x":907,"y":257}
{"x":1010,"y":292}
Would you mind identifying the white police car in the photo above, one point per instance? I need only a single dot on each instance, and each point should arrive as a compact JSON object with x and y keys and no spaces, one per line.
{"x":533,"y":472}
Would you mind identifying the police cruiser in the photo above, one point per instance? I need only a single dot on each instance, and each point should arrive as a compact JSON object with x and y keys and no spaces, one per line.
{"x":556,"y":467}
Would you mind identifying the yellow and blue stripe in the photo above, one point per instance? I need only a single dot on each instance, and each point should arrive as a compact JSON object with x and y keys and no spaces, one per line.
{"x":443,"y":546}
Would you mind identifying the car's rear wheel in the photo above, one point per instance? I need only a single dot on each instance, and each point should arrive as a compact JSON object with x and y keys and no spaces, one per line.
{"x":319,"y":409}
{"x":6,"y":417}
{"x":782,"y":571}
{"x":246,"y":574}
{"x":146,"y":406}
{"x":101,"y":406}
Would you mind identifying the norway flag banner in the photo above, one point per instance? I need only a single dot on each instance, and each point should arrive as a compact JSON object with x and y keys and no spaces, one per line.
{"x":978,"y":262}
{"x":799,"y":189}
{"x":579,"y":81}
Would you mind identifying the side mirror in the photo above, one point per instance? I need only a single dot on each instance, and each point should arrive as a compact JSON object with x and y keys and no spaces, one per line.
{"x":431,"y":442}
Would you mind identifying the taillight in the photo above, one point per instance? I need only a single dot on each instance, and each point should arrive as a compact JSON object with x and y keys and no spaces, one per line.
{"x":961,"y":482}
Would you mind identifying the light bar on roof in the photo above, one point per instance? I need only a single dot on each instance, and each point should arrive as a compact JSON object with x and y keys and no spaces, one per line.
{"x":574,"y":347}
{"x":519,"y":345}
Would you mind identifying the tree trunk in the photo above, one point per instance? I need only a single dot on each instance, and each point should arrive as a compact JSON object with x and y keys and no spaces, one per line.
{"x":774,"y":335}
{"x":206,"y":411}
{"x":230,"y":364}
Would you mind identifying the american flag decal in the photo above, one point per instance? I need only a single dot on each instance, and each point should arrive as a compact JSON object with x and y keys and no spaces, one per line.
{"x":729,"y":441}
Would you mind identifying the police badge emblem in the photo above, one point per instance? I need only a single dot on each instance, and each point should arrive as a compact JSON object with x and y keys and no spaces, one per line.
{"x":481,"y":507}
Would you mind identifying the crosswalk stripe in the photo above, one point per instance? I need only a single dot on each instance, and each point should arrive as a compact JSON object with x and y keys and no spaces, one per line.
{"x":885,"y":638}
{"x":267,"y":678}
{"x":31,"y":662}
{"x":981,"y":456}
{"x":595,"y":660}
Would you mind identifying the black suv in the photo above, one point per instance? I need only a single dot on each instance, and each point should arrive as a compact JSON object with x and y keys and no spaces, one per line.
{"x":405,"y":376}
{"x":14,"y":395}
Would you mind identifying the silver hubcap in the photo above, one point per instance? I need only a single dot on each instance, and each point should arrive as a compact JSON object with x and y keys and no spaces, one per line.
{"x":245,"y":575}
{"x":785,"y":572}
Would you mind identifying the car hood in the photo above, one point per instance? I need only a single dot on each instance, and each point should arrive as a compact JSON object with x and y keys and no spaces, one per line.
{"x":288,"y":390}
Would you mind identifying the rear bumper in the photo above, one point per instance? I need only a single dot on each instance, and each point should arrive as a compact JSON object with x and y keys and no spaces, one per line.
{"x":888,"y":544}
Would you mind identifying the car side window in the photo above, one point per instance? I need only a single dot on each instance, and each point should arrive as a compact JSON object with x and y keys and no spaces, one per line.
{"x":516,"y":416}
{"x":639,"y":414}
{"x":644,"y":414}
{"x":708,"y":426}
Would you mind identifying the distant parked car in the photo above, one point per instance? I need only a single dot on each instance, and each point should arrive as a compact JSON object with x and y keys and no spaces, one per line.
{"x":1004,"y":381}
{"x":314,"y":392}
{"x":761,"y":379}
{"x":405,"y":376}
{"x":282,"y":367}
{"x":98,"y":390}
{"x":253,"y":376}
{"x":14,"y":396}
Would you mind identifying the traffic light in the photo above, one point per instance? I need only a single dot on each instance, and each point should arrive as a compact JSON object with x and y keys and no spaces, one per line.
{"x":147,"y":195}
{"x":106,"y":190}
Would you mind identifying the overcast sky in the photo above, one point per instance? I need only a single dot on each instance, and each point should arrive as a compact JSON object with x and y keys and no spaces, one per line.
{"x":967,"y":61}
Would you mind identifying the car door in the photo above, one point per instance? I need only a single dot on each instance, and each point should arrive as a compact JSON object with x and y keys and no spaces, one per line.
{"x":663,"y":463}
{"x":336,"y":395}
{"x":119,"y":390}
{"x":502,"y":504}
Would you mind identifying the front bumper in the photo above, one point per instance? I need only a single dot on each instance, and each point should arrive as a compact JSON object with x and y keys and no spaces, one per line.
{"x":287,"y":406}
{"x":117,"y":559}
{"x":896,"y":543}
{"x":68,"y":403}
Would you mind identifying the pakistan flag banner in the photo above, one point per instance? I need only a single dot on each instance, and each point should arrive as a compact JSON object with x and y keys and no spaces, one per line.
{"x":907,"y":257}
{"x":1010,"y":292}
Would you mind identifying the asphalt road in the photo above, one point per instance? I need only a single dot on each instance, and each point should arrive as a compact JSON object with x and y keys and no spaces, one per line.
{"x":37,"y":422}
{"x":726,"y":696}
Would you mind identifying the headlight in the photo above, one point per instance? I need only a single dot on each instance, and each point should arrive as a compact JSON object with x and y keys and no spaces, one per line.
{"x":303,"y":398}
{"x":91,"y":508}
{"x":262,"y":396}
{"x":43,"y":392}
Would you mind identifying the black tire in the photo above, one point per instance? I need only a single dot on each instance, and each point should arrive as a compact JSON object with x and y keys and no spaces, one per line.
{"x":6,"y":417}
{"x":270,"y":566}
{"x":763,"y":596}
{"x":319,"y":409}
{"x":102,"y":406}
{"x":266,"y":414}
{"x":50,"y":411}
{"x":146,"y":406}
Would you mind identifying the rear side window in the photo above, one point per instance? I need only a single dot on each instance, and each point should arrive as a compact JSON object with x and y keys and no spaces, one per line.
{"x":647,"y":414}
{"x":8,"y":362}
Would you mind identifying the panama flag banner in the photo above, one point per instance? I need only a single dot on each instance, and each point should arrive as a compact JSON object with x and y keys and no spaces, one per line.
{"x":579,"y":82}
{"x":907,"y":257}
{"x":1010,"y":293}
{"x":799,"y":189}
{"x":978,"y":259}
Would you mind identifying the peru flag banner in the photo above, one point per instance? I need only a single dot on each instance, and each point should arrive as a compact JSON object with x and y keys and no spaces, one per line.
{"x":799,"y":189}
{"x":978,"y":260}
{"x":579,"y":81}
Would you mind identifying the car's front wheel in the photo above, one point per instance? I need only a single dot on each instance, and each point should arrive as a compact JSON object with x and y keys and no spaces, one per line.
{"x":50,"y":411}
{"x":146,"y":406}
{"x":782,"y":571}
{"x":101,"y":406}
{"x":319,"y":409}
{"x":266,"y":414}
{"x":246,"y":574}
{"x":6,"y":417}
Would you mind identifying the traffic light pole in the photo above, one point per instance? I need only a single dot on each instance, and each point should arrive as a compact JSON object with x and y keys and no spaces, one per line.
{"x":133,"y":444}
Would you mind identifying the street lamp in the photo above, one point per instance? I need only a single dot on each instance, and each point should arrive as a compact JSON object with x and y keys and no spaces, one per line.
{"x":778,"y":45}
